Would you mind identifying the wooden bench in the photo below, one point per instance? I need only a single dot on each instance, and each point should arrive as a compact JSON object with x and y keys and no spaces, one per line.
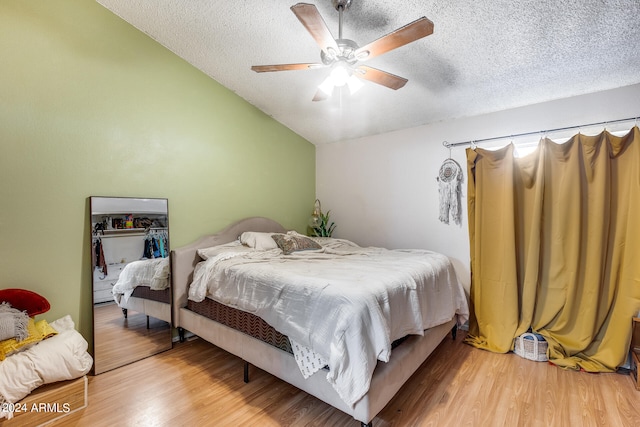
{"x":49,"y":403}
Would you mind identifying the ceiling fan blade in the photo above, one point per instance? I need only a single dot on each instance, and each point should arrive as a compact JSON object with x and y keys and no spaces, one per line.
{"x":411,"y":32}
{"x":315,"y":25}
{"x":381,"y":77}
{"x":284,"y":67}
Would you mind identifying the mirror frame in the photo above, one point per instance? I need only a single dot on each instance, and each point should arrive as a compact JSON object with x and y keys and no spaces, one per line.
{"x":124,"y":230}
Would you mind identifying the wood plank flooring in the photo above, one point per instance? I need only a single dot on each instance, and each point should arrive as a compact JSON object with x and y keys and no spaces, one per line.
{"x":119,"y":341}
{"x":197,"y":384}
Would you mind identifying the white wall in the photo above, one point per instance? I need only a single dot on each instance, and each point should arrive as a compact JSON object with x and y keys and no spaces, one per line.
{"x":382,"y":190}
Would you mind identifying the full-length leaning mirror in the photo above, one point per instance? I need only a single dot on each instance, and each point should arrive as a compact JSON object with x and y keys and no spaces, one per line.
{"x":131,"y":283}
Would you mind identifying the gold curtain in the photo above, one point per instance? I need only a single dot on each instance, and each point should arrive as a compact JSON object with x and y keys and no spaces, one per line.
{"x":555,"y":247}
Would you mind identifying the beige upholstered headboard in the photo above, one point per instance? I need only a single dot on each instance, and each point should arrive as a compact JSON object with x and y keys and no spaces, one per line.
{"x":184,"y":259}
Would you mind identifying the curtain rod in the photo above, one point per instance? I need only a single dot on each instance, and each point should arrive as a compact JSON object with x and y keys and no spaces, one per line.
{"x":450,"y":145}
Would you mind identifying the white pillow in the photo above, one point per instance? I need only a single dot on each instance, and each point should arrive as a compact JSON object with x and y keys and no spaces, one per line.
{"x":257,"y":240}
{"x":206,"y":253}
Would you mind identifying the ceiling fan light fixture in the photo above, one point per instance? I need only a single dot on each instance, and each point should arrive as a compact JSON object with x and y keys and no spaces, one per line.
{"x":354,"y":84}
{"x":327,"y":86}
{"x":340,"y":75}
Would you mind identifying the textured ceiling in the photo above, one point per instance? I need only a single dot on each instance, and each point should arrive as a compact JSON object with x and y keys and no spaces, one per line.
{"x":484,"y":55}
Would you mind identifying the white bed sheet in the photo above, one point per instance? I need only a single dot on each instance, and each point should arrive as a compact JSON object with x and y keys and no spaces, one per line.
{"x":344,"y":302}
{"x":153,"y":273}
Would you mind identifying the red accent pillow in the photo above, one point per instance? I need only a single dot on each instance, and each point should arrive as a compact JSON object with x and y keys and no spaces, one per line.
{"x":25,"y":300}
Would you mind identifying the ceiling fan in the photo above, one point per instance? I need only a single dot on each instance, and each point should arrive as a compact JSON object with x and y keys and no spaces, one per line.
{"x":344,"y":55}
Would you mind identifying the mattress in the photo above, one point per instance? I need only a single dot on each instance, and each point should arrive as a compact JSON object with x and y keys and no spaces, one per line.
{"x":144,"y":292}
{"x":249,"y":323}
{"x":242,"y":321}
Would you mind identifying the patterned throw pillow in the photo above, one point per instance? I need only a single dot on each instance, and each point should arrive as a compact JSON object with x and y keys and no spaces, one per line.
{"x":292,"y":243}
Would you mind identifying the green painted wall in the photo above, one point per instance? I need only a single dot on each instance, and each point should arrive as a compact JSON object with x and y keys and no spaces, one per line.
{"x":90,"y":106}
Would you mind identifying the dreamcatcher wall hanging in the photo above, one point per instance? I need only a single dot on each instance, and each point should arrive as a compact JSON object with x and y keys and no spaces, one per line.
{"x":450,"y":191}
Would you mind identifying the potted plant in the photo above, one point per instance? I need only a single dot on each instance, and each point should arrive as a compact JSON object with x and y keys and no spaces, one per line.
{"x":319,"y":222}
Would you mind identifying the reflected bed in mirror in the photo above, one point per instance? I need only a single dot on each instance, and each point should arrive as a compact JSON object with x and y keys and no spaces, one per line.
{"x":131,"y":283}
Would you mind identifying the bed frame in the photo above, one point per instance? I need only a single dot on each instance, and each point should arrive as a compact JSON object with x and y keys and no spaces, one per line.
{"x":148,"y":307}
{"x":387,"y":379}
{"x":144,"y":300}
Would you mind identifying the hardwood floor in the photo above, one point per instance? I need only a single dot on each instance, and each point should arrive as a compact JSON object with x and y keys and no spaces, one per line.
{"x":120,"y":341}
{"x":197,"y":384}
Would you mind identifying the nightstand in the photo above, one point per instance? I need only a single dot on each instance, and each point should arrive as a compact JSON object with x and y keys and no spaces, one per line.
{"x":102,"y":285}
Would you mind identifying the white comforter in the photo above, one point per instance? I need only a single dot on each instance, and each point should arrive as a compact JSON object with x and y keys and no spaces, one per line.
{"x":344,"y":302}
{"x":153,"y":273}
{"x":58,"y":358}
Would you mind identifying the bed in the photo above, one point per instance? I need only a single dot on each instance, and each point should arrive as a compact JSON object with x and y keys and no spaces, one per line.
{"x":144,"y":286}
{"x":369,"y":356}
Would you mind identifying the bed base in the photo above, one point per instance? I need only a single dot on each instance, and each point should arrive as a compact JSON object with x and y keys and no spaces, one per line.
{"x":154,"y":303}
{"x":182,"y":334}
{"x":125,"y":313}
{"x":387,"y":379}
{"x":157,"y":309}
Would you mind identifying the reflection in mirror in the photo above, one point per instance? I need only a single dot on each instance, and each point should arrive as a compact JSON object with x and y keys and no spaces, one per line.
{"x":131,"y":284}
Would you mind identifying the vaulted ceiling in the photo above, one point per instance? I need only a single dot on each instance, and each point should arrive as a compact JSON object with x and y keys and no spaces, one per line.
{"x":483,"y":56}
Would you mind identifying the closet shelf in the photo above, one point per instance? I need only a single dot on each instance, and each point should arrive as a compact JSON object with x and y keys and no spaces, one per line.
{"x":116,"y":232}
{"x":123,"y":231}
